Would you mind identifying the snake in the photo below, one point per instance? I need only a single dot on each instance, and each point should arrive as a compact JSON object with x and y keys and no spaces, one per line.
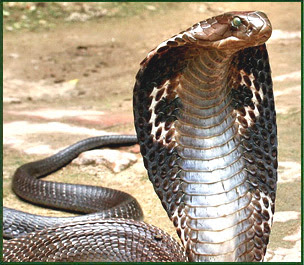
{"x":205,"y":122}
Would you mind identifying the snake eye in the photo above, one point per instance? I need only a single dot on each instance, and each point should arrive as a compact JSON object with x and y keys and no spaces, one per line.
{"x":236,"y":21}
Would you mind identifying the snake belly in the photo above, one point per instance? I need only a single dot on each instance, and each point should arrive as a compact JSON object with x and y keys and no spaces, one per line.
{"x":206,"y":124}
{"x":205,"y":120}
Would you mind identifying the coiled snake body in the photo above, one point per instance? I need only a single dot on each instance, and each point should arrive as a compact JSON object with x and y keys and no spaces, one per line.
{"x":206,"y":124}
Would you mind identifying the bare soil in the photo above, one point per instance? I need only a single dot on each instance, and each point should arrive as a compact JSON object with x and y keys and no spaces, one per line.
{"x":89,"y":69}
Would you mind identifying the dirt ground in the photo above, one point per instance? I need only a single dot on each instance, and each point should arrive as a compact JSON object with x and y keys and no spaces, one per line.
{"x":75,"y":80}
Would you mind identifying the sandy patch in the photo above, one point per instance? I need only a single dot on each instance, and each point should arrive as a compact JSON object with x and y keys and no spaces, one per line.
{"x":36,"y":90}
{"x":288,"y":100}
{"x":15,"y":135}
{"x":285,"y":216}
{"x":101,"y":118}
{"x":287,"y":254}
{"x":288,"y":91}
{"x":294,"y":75}
{"x":278,"y":34}
{"x":52,"y":114}
{"x":289,"y":171}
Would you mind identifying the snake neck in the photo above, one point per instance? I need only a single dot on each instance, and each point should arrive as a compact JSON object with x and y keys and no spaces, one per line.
{"x":213,"y":221}
{"x":206,"y":79}
{"x":209,"y":151}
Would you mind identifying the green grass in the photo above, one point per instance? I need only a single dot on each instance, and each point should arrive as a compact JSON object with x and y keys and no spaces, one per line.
{"x":125,"y":9}
{"x":31,"y":16}
{"x":43,"y":16}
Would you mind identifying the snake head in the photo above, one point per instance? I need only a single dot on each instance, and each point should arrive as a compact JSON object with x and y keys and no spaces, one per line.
{"x":234,"y":30}
{"x":253,"y":28}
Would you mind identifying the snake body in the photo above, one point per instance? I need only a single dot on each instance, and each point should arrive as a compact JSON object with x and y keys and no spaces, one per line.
{"x":76,"y":198}
{"x":205,"y":120}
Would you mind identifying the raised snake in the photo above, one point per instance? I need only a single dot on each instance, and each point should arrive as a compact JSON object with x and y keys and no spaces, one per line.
{"x":206,"y":124}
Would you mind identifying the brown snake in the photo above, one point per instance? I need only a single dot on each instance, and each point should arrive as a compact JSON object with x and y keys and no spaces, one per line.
{"x":206,"y":124}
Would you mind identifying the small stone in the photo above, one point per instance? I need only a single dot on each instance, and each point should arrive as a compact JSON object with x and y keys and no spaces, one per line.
{"x":150,"y":7}
{"x":31,"y":7}
{"x":9,"y":28}
{"x":202,"y":9}
{"x":6,"y":13}
{"x":57,"y":81}
{"x":11,"y":100}
{"x":42,"y":22}
{"x":75,"y":16}
{"x":14,"y":55}
{"x":285,"y":216}
{"x":115,"y":160}
{"x":40,"y":150}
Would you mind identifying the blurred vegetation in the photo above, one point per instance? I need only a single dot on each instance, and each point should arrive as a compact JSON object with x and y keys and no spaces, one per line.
{"x":45,"y":15}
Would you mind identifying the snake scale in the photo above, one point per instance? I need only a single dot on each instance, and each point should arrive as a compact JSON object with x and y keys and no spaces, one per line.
{"x":206,"y":124}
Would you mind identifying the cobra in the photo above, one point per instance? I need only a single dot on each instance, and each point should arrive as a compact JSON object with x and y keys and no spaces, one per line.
{"x":206,"y":124}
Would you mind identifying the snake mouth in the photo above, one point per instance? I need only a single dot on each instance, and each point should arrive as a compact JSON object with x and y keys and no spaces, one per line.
{"x":257,"y":28}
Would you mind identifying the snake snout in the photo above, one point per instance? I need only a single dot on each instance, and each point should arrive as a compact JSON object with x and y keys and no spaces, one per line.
{"x":260,"y":25}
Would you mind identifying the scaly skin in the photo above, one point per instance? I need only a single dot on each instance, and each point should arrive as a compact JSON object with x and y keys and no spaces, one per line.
{"x":205,"y":119}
